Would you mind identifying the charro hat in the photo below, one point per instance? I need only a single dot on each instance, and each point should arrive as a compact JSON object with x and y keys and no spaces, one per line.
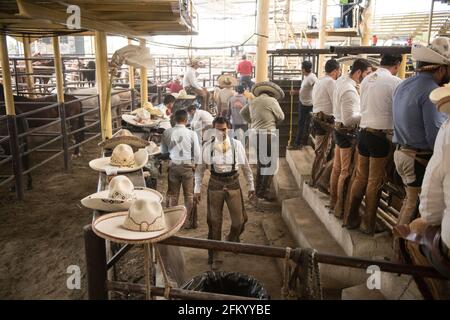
{"x":122,"y":160}
{"x":141,"y":118}
{"x":437,"y":53}
{"x":144,"y":222}
{"x":227,"y":81}
{"x":263,"y":86}
{"x":182,"y":95}
{"x":441,"y":98}
{"x":126,"y":137}
{"x":119,"y":196}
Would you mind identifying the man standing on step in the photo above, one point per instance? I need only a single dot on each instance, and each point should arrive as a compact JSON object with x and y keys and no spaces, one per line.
{"x":184,"y":150}
{"x":223,"y":155}
{"x":323,"y":120}
{"x":346,"y":111}
{"x":262,"y":114}
{"x":373,"y":143}
{"x":417,"y":121}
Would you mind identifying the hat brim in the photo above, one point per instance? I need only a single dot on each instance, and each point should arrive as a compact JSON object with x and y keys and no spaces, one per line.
{"x":110,"y":227}
{"x":186,"y":97}
{"x":102,"y":164}
{"x":425,"y":54}
{"x":153,"y":151}
{"x":101,"y":201}
{"x":221,"y":81}
{"x":129,"y":140}
{"x":441,"y":98}
{"x":264,"y":86}
{"x":131,"y":120}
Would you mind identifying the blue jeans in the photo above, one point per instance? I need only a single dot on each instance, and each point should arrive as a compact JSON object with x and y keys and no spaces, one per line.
{"x":246,"y":82}
{"x":304,"y":124}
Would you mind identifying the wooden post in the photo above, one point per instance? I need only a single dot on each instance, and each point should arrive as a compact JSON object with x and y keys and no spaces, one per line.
{"x":430,"y":22}
{"x":28,"y":65}
{"x":101,"y":61}
{"x":402,"y":69}
{"x":60,"y":96}
{"x":130,"y":72}
{"x":263,"y":40}
{"x":144,"y":85}
{"x":367,"y":24}
{"x":7,"y":86}
{"x":322,"y":35}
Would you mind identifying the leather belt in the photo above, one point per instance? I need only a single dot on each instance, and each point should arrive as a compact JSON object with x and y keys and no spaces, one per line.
{"x":386,"y":131}
{"x":340,"y":125}
{"x":426,"y":151}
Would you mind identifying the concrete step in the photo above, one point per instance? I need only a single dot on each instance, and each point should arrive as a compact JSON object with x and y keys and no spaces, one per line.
{"x":361,"y":292}
{"x":309,"y":232}
{"x":300,"y":162}
{"x":284,"y":183}
{"x":353,"y":242}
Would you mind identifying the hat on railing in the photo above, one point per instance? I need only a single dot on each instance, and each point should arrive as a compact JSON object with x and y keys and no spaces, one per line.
{"x":182,"y":95}
{"x":119,"y":196}
{"x":269,"y":86}
{"x":122,"y":160}
{"x":126,"y":137}
{"x":145,"y":222}
{"x":141,"y":118}
{"x":441,"y":98}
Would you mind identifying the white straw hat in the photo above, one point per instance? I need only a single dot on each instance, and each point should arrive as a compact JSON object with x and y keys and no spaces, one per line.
{"x":269,"y":86}
{"x":145,"y":222}
{"x":132,"y":55}
{"x":141,"y":118}
{"x":153,"y":149}
{"x":122,"y":160}
{"x":182,"y":95}
{"x":438,"y":52}
{"x":119,"y":196}
{"x":227,"y":81}
{"x":126,"y":137}
{"x":441,"y":98}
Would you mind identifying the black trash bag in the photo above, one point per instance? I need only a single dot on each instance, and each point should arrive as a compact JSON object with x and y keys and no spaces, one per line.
{"x":231,"y":283}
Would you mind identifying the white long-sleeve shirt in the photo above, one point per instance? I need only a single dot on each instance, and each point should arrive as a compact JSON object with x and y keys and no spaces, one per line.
{"x":190,"y":78}
{"x":182,"y":144}
{"x":346,"y":102}
{"x":201,"y":120}
{"x":435,"y":196}
{"x":306,"y":88}
{"x":322,"y":95}
{"x":223,"y":162}
{"x":377,"y":90}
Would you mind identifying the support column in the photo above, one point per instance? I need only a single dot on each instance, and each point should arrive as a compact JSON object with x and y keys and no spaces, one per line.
{"x":28,"y":65}
{"x":263,"y":40}
{"x":430,"y":22}
{"x":402,"y":69}
{"x":101,"y":61}
{"x":367,"y":24}
{"x":322,"y":35}
{"x":144,"y":84}
{"x":7,"y":86}
{"x":131,"y":71}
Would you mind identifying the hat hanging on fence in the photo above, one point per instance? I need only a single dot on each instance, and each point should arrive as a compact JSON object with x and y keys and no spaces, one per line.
{"x":153,"y":149}
{"x":441,"y":98}
{"x":437,"y":53}
{"x":269,"y":86}
{"x":132,"y":55}
{"x":145,"y":222}
{"x":182,"y":95}
{"x":122,"y":160}
{"x":119,"y":196}
{"x":141,"y":118}
{"x":126,"y":137}
{"x":148,"y":106}
{"x":227,"y":81}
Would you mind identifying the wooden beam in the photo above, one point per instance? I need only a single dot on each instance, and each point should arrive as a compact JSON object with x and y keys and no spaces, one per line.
{"x":6,"y":76}
{"x":101,"y":61}
{"x":28,"y":65}
{"x":144,"y":85}
{"x":262,"y":40}
{"x":58,"y":70}
{"x":124,"y":7}
{"x":322,"y":35}
{"x":131,"y":72}
{"x":139,"y":16}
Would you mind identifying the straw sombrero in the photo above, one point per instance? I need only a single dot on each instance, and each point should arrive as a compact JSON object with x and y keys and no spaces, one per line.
{"x":120,"y":195}
{"x":182,"y":95}
{"x":194,"y":62}
{"x":227,"y":81}
{"x":126,"y":137}
{"x":441,"y":98}
{"x":263,"y":86}
{"x":437,"y":53}
{"x":122,"y":160}
{"x":148,"y":106}
{"x":144,"y":222}
{"x":142,"y":118}
{"x":153,"y":149}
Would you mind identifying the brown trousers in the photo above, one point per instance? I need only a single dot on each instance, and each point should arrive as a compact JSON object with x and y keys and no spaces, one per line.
{"x":340,"y":176}
{"x":323,"y":147}
{"x":221,"y":190}
{"x":182,"y":175}
{"x":203,"y":93}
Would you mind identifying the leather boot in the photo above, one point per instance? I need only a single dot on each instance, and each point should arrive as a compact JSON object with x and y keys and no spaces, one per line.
{"x":377,"y":173}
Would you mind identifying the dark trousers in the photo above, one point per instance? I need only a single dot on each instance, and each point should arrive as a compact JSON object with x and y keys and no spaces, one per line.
{"x":247,"y":82}
{"x":263,"y":178}
{"x":304,"y":124}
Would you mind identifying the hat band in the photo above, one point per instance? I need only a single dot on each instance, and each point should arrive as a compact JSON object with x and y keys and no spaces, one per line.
{"x":129,"y":162}
{"x":145,"y":226}
{"x":118,"y":195}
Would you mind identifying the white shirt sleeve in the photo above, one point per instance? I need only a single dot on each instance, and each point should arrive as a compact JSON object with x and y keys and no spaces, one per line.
{"x":245,"y":166}
{"x":350,"y":109}
{"x":191,"y":78}
{"x":200,"y":171}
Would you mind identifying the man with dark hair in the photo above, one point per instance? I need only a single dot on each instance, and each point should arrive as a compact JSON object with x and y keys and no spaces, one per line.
{"x":166,"y":106}
{"x":223,"y":156}
{"x":235,"y":105}
{"x":323,"y":121}
{"x":199,"y":120}
{"x":373,"y":143}
{"x":346,"y":111}
{"x":245,"y":70}
{"x":182,"y":145}
{"x":305,"y":106}
{"x":417,"y":121}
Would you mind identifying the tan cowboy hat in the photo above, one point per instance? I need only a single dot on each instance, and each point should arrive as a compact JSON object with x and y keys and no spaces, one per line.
{"x":196,"y":62}
{"x":275,"y":89}
{"x":182,"y":95}
{"x":142,"y":118}
{"x":122,"y":160}
{"x":145,"y":222}
{"x":227,"y":81}
{"x":441,"y":98}
{"x":438,"y":52}
{"x":132,"y":55}
{"x":153,"y":149}
{"x":120,"y":195}
{"x":126,"y":137}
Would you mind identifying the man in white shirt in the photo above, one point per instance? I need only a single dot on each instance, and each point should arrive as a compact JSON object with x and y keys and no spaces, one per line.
{"x":182,"y":145}
{"x":199,"y":121}
{"x":223,"y":156}
{"x":373,"y":143}
{"x":305,"y":106}
{"x":323,"y":121}
{"x":190,"y":83}
{"x":346,"y":111}
{"x":226,"y":84}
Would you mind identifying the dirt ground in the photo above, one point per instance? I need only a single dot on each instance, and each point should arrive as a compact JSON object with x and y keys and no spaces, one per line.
{"x":41,"y":236}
